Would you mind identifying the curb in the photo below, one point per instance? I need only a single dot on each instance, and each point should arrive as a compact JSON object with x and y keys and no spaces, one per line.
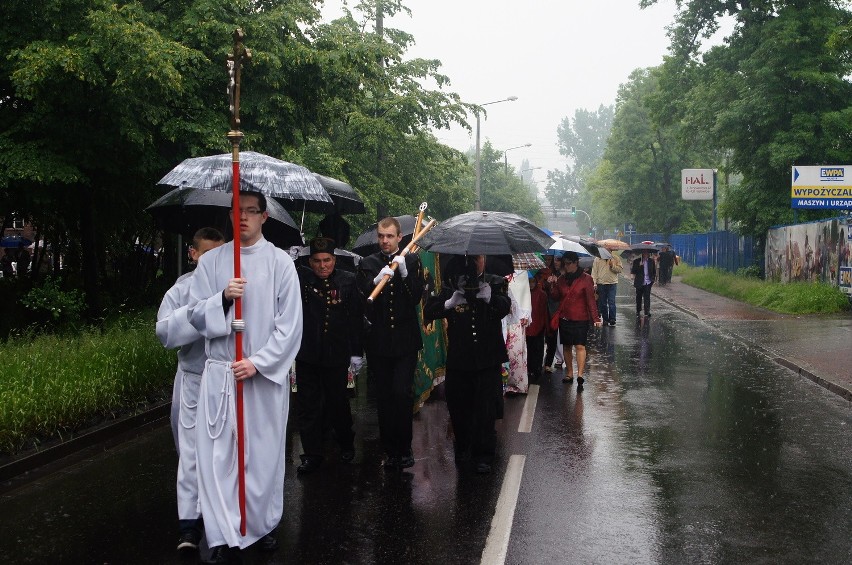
{"x":837,"y":389}
{"x":32,"y":466}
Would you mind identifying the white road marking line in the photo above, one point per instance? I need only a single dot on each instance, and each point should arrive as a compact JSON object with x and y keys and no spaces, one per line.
{"x":501,"y":525}
{"x":525,"y":425}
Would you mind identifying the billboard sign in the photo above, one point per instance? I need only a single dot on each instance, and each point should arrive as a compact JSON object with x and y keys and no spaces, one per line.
{"x":696,"y":184}
{"x":827,"y":186}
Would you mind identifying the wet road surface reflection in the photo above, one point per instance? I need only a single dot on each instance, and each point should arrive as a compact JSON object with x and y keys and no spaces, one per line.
{"x":685,"y":447}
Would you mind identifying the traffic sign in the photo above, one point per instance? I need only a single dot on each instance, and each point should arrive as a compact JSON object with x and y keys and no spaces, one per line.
{"x":630,"y":228}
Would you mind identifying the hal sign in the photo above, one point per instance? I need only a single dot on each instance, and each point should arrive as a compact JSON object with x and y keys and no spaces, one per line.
{"x":696,"y":184}
{"x":826,"y":186}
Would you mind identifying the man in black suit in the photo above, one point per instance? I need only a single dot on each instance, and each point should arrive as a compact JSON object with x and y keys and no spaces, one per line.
{"x":393,"y":338}
{"x":644,"y":271}
{"x":474,"y":303}
{"x":332,"y":324}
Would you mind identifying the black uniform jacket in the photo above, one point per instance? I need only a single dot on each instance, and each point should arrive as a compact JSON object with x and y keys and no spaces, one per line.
{"x":638,"y":272}
{"x":474,"y":332}
{"x":394,"y":327}
{"x":333,"y":316}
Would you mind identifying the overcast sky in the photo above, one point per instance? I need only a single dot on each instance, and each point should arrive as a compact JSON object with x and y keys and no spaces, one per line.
{"x":555,"y":55}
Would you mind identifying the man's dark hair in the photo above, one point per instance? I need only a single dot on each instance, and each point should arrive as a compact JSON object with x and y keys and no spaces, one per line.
{"x":206,"y":234}
{"x":261,"y":198}
{"x":570,"y":256}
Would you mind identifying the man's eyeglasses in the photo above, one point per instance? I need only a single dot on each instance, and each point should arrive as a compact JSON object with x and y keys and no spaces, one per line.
{"x":249,"y":211}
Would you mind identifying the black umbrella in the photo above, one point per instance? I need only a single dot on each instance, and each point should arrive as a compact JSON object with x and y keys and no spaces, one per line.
{"x":367,"y":243}
{"x":640,"y":247}
{"x":294,"y":186}
{"x":346,"y":200}
{"x":186,"y":210}
{"x":346,"y":260}
{"x":486,"y":233}
{"x":15,"y":241}
{"x":590,"y":245}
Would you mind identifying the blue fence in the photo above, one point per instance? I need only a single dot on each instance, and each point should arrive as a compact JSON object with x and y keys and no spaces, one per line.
{"x":723,"y":249}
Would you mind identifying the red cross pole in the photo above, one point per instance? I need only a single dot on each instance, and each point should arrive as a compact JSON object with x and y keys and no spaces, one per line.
{"x":235,"y":61}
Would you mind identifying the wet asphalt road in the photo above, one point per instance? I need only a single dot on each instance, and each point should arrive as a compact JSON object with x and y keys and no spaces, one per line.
{"x":685,"y":447}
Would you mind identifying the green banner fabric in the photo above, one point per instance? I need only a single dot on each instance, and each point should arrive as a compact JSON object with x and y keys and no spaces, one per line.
{"x":432,"y":361}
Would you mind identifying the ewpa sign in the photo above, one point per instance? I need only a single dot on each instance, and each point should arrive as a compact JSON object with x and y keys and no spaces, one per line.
{"x":828,"y":186}
{"x":696,"y":184}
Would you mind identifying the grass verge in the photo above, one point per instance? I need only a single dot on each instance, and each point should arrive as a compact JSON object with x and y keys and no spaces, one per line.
{"x":785,"y":298}
{"x":55,"y":385}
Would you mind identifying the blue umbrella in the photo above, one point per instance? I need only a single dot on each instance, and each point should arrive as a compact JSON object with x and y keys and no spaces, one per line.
{"x":15,"y":241}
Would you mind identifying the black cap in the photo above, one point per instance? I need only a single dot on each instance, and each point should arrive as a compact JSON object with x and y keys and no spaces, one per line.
{"x":322,"y":245}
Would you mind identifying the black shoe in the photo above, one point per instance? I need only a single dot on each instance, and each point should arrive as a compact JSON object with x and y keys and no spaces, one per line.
{"x":267,"y":543}
{"x":188,"y":541}
{"x":309,"y":465}
{"x":483,"y":468}
{"x":406,"y":461}
{"x":222,"y":555}
{"x":558,"y":365}
{"x":580,"y":382}
{"x":647,"y":314}
{"x":347,"y":455}
{"x":391,"y":462}
{"x":612,"y":322}
{"x":568,"y":379}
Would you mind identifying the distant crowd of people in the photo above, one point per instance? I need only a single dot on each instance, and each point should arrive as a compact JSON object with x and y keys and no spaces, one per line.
{"x":15,"y":261}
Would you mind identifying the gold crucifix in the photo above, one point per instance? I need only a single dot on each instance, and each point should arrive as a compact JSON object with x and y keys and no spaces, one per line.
{"x":235,"y":62}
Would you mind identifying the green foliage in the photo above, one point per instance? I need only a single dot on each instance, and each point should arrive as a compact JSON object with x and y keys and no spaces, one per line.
{"x":53,"y":385}
{"x":752,"y":271}
{"x":57,"y":308}
{"x":786,"y":298}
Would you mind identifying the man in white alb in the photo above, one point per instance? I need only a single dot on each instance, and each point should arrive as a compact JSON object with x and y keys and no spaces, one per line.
{"x":272,"y":311}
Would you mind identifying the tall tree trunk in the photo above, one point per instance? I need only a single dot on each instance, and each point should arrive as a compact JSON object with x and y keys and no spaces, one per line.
{"x":89,"y":253}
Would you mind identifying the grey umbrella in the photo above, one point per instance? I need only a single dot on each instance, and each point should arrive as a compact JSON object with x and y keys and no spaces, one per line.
{"x":186,"y":210}
{"x":294,"y":186}
{"x":346,"y":200}
{"x":486,"y":233}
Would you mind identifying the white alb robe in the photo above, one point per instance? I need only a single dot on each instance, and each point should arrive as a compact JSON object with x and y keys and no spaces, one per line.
{"x":272,"y":310}
{"x":174,"y":330}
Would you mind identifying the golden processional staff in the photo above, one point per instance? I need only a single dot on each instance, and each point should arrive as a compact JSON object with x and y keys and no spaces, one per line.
{"x":410,"y":248}
{"x":235,"y":61}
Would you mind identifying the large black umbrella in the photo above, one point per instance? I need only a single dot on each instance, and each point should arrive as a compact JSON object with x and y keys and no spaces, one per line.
{"x":346,"y":200}
{"x":186,"y":210}
{"x":15,"y":241}
{"x":486,"y":233}
{"x":294,"y":186}
{"x":367,"y":243}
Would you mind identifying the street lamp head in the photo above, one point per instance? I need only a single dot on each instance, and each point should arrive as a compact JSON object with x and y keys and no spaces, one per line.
{"x":512,"y":98}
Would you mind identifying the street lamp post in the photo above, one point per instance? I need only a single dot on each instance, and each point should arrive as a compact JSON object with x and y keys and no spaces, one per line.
{"x":478,"y":202}
{"x":506,"y":159}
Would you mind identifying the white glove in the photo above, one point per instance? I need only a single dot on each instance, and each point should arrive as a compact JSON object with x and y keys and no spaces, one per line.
{"x":385,"y":271}
{"x":400,"y":262}
{"x":456,"y":299}
{"x":484,"y":292}
{"x":356,"y":363}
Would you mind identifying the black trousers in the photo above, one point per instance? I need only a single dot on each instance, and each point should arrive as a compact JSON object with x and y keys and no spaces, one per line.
{"x":473,"y":399}
{"x":322,"y":398}
{"x":535,"y":353}
{"x":643,"y":295}
{"x":550,"y":339}
{"x":394,"y":400}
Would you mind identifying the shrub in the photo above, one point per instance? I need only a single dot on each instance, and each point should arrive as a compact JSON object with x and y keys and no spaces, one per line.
{"x":53,"y":307}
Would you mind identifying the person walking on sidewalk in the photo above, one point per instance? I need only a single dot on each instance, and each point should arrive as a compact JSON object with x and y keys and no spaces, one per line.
{"x":553,"y":345}
{"x":575,"y":292}
{"x":536,"y":329}
{"x":605,"y":276}
{"x":331,"y":343}
{"x":644,"y":272}
{"x":174,"y":330}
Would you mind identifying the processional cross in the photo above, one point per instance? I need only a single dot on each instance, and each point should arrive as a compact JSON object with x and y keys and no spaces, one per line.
{"x":234,"y":64}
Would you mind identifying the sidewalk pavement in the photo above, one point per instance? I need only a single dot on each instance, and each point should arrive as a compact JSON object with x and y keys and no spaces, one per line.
{"x":815,"y":346}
